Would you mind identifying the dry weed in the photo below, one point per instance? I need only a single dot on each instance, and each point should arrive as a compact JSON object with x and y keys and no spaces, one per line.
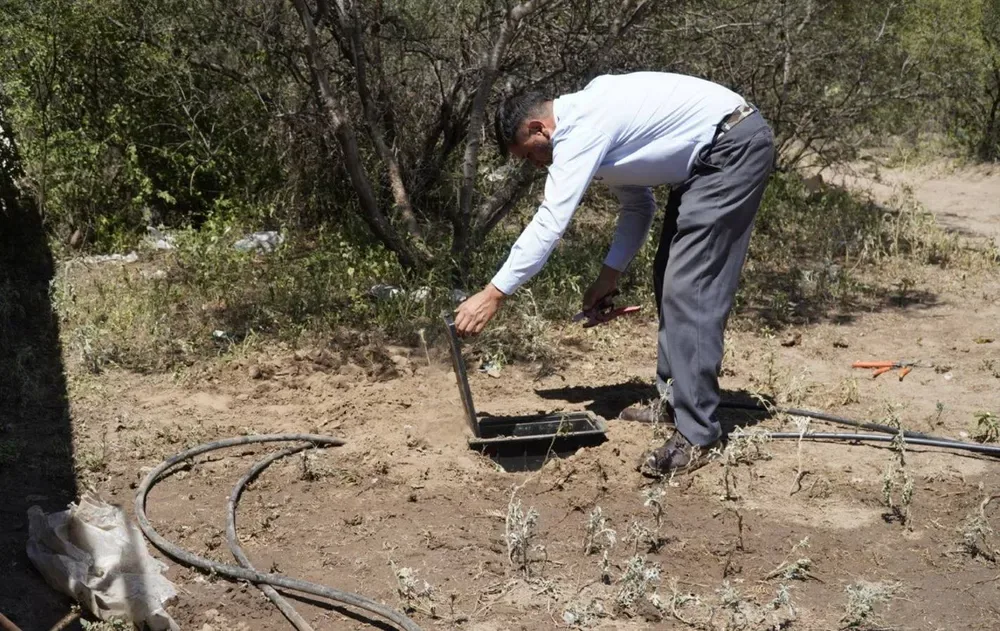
{"x":862,"y":598}
{"x":520,"y":534}
{"x":987,"y":428}
{"x":977,"y":533}
{"x":637,"y":582}
{"x":415,"y":594}
{"x":584,"y":614}
{"x":897,"y":483}
{"x":744,"y":447}
{"x":600,"y":537}
{"x":745,"y":614}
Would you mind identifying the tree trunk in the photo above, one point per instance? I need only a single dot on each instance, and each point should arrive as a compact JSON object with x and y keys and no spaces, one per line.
{"x":337,"y":119}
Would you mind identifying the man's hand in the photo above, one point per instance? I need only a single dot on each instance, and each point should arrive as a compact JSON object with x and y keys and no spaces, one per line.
{"x":607,"y":282}
{"x":473,"y":314}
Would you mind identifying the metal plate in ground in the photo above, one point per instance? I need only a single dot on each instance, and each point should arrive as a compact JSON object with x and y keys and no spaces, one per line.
{"x":561,"y":431}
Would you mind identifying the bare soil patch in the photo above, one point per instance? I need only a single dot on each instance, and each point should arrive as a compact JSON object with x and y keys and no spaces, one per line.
{"x":407,"y":492}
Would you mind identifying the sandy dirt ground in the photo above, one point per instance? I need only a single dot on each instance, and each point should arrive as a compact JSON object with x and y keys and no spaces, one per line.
{"x":407,"y":492}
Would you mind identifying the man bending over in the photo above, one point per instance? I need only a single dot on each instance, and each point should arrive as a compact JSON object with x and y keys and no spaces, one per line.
{"x":633,"y":132}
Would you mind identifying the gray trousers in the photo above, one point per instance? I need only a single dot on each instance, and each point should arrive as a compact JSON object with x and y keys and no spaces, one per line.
{"x":706,"y":233}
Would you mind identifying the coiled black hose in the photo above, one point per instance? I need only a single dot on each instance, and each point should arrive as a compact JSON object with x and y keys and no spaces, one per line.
{"x":234,"y":542}
{"x":242,"y":573}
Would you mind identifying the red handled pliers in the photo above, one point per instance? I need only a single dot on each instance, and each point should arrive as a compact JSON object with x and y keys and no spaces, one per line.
{"x":604,"y":311}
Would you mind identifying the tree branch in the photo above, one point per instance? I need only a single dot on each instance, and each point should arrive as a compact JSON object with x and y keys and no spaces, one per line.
{"x":403,"y":208}
{"x":490,"y":212}
{"x":344,"y":133}
{"x":618,"y":28}
{"x":470,"y":161}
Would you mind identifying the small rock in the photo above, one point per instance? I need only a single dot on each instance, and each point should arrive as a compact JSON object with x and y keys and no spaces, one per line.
{"x":840,"y":343}
{"x":256,"y":372}
{"x":792,"y":339}
{"x":207,"y":627}
{"x":242,"y":397}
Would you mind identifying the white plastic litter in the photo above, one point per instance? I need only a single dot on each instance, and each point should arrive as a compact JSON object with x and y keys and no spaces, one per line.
{"x":92,"y":553}
{"x":131,"y":257}
{"x":383,"y":291}
{"x":420,"y":294}
{"x":160,"y":240}
{"x":266,"y":241}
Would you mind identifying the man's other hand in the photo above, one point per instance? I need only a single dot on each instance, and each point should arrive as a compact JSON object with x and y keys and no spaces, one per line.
{"x":473,"y":314}
{"x":606,"y":283}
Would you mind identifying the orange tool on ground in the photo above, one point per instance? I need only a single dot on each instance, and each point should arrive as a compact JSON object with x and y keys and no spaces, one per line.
{"x":881,"y":367}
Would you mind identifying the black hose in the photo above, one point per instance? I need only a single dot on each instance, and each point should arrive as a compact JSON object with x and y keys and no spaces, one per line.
{"x":914,"y":438}
{"x":882,"y":438}
{"x":241,"y":573}
{"x":234,"y":543}
{"x":830,"y":418}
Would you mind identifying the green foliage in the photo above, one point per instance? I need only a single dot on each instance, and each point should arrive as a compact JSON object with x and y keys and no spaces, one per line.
{"x":809,"y":256}
{"x":957,"y":44}
{"x":987,"y":428}
{"x":116,"y":132}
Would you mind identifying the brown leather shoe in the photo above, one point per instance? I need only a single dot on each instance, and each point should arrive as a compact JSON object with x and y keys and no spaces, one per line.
{"x":656,"y":412}
{"x":677,"y":455}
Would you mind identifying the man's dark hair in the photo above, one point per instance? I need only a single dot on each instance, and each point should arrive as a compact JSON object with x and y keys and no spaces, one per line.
{"x":511,"y":113}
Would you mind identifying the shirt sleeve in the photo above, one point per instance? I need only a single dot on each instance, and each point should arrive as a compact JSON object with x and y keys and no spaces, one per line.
{"x":638,"y":206}
{"x":575,"y":159}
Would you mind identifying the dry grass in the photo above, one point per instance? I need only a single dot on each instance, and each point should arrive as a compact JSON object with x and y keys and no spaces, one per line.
{"x":204,"y":299}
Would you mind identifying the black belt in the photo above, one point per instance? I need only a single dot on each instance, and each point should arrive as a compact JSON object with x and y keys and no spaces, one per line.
{"x":734,"y":119}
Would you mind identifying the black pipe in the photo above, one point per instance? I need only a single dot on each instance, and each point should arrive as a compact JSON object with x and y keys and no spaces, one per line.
{"x":991,"y":450}
{"x":237,"y":572}
{"x":839,"y":420}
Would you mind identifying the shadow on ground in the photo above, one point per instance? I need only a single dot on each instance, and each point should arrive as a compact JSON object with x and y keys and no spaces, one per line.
{"x":36,"y":448}
{"x":609,"y":401}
